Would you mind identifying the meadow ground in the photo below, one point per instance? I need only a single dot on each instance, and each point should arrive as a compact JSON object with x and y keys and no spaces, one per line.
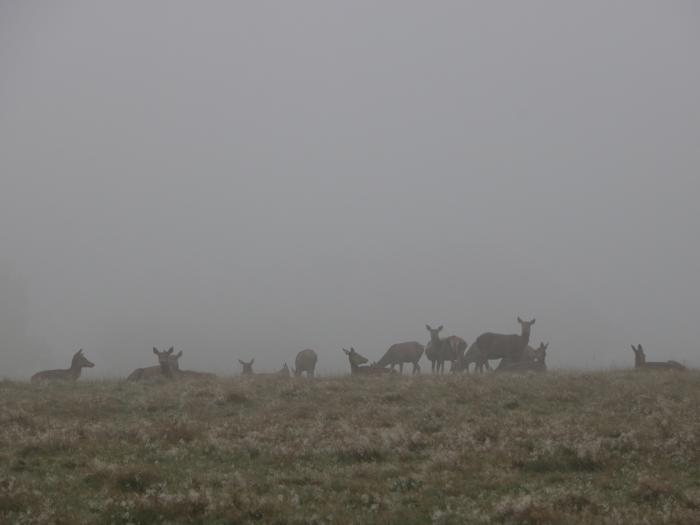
{"x":570,"y":448}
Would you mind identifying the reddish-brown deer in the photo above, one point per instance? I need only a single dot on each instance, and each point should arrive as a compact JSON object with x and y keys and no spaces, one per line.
{"x":640,"y":362}
{"x":78,"y":362}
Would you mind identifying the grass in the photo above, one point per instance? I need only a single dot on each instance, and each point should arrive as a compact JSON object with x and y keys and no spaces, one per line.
{"x":608,"y":447}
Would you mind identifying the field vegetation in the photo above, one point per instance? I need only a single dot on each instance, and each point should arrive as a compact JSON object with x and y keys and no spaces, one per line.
{"x":569,"y":448}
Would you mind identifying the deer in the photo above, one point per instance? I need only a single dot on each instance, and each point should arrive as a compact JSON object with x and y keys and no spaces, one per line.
{"x":248,"y":370}
{"x":533,"y":359}
{"x":401,"y":353}
{"x":438,"y":350}
{"x":356,"y":362}
{"x":165,"y":358}
{"x":78,"y":362}
{"x":305,"y":362}
{"x":497,"y":346}
{"x":187,"y":374}
{"x":640,"y":362}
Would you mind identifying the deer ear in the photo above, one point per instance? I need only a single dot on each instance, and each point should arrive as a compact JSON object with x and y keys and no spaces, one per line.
{"x":252,"y":361}
{"x":179,"y":354}
{"x":520,"y":320}
{"x":634,"y":348}
{"x":241,"y":362}
{"x":171,"y":349}
{"x":533,"y":321}
{"x":428,"y":327}
{"x":155,"y":350}
{"x":639,"y":347}
{"x":440,"y":328}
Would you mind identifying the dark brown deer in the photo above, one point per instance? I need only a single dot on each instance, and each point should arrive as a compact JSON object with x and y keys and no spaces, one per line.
{"x":640,"y":362}
{"x":356,"y":362}
{"x":78,"y":362}
{"x":305,"y":362}
{"x":497,"y":346}
{"x":166,"y":358}
{"x":438,"y":350}
{"x":401,"y":353}
{"x":533,"y":359}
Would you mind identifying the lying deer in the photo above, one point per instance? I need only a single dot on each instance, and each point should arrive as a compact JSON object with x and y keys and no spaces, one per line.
{"x":78,"y":362}
{"x":356,"y":362}
{"x":640,"y":362}
{"x":166,"y":359}
{"x":533,"y":359}
{"x":248,"y":370}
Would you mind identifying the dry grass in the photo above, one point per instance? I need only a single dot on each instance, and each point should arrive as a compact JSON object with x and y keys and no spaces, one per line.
{"x":618,"y":447}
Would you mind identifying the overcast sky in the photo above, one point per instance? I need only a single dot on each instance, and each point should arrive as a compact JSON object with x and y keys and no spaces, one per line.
{"x":248,"y":179}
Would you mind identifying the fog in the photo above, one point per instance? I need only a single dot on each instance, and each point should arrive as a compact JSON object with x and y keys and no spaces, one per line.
{"x":249,"y":179}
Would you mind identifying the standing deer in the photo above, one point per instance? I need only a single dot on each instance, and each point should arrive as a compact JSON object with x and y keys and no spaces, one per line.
{"x":78,"y":362}
{"x":166,"y":360}
{"x":497,"y":346}
{"x":640,"y":362}
{"x":356,"y":362}
{"x":401,"y":353}
{"x":438,"y":350}
{"x":305,"y":362}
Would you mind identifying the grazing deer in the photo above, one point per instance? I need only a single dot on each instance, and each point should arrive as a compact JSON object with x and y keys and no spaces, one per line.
{"x":438,"y":350}
{"x":497,"y":346}
{"x":78,"y":362}
{"x":356,"y":362}
{"x":166,"y":358}
{"x":640,"y":362}
{"x":305,"y":362}
{"x":533,"y":359}
{"x":248,"y":370}
{"x":401,"y":353}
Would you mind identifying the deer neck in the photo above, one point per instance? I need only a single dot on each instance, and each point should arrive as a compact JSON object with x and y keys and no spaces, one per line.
{"x":525,"y":336}
{"x":74,"y":371}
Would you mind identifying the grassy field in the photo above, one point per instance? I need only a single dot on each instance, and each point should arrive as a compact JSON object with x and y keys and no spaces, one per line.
{"x":609,"y":447}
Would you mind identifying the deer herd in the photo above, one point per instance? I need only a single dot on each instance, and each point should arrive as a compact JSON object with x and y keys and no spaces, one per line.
{"x":513,"y":351}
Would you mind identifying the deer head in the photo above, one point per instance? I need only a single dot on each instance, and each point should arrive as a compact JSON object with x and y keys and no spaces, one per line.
{"x":80,"y":361}
{"x":247,"y":367}
{"x":434,"y":333}
{"x":639,"y":357}
{"x":167,"y":360}
{"x":355,"y":358}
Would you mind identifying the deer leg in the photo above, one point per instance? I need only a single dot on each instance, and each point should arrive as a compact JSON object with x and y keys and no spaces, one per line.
{"x":401,"y":368}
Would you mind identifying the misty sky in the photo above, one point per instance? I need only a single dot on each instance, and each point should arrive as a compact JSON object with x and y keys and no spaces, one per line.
{"x":248,"y":179}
